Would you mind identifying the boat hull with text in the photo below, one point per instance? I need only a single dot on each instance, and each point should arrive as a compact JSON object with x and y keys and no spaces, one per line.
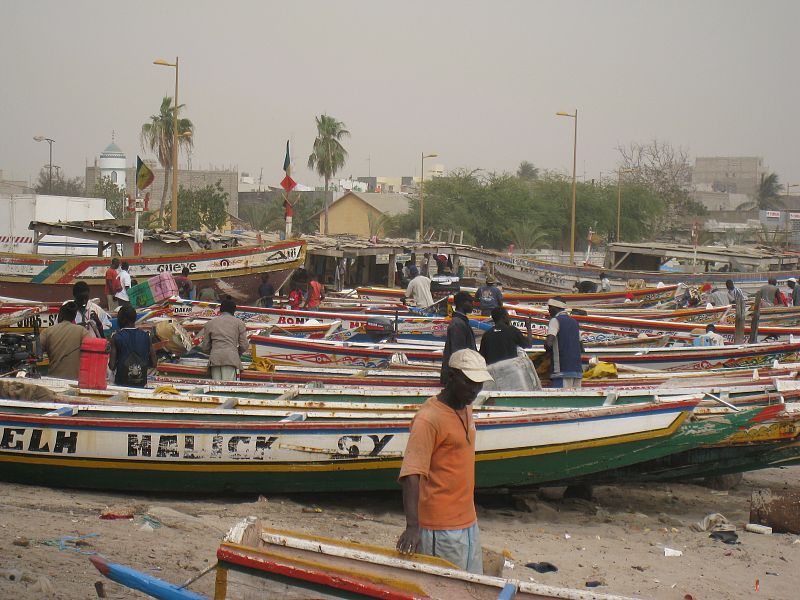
{"x":185,"y":450}
{"x":235,"y":271}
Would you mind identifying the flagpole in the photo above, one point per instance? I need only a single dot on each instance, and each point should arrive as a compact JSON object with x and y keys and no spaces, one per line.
{"x":288,"y":216}
{"x":137,"y":244}
{"x":288,"y":185}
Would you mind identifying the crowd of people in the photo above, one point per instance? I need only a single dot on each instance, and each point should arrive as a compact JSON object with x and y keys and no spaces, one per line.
{"x":437,"y":472}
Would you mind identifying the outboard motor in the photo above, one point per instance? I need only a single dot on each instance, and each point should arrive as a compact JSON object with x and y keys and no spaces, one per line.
{"x":379,"y":328}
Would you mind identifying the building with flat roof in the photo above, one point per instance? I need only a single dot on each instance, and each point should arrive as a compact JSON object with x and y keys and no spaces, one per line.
{"x":192,"y":179}
{"x":731,"y":174}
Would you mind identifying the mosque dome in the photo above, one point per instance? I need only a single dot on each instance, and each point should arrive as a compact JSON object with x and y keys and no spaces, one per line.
{"x":113,"y":163}
{"x":112,"y":151}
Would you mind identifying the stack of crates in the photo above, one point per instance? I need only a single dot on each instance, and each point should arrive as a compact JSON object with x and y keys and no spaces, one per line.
{"x":163,"y":287}
{"x":141,"y":295}
{"x":153,"y":291}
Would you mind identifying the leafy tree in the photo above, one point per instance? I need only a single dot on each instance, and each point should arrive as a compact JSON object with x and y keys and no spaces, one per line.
{"x":767,"y":195}
{"x":62,"y":186}
{"x":114,"y":195}
{"x":157,"y":136}
{"x":204,"y":207}
{"x":527,"y":171}
{"x":328,"y":156}
{"x":270,"y":215}
{"x":495,"y":210}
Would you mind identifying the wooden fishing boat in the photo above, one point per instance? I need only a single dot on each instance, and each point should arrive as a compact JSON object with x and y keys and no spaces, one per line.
{"x":23,"y":318}
{"x":270,"y":563}
{"x":645,"y":296}
{"x":625,"y":263}
{"x":291,"y":375}
{"x":236,"y":271}
{"x":406,"y":325}
{"x":377,"y":403}
{"x":771,"y":439}
{"x":697,"y":358}
{"x":285,"y":350}
{"x":187,"y":449}
{"x":679,"y":329}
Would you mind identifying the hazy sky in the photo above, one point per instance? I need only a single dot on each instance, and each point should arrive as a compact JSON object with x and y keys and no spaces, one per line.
{"x":477,"y":82}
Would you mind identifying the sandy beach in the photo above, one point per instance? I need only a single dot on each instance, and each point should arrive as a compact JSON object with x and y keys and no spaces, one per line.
{"x":617,"y":539}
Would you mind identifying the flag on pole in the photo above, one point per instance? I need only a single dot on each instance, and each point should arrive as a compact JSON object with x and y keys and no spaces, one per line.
{"x":288,"y":184}
{"x":287,"y":162}
{"x":144,"y":175}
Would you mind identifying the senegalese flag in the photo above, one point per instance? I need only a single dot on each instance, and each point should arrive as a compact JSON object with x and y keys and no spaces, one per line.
{"x":144,"y":175}
{"x":287,"y":162}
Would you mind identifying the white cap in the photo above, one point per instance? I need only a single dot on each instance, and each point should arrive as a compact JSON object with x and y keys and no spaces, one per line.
{"x":556,"y":303}
{"x":792,"y":279}
{"x":471,"y":364}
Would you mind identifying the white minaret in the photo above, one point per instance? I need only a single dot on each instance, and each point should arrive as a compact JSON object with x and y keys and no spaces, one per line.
{"x":112,"y":163}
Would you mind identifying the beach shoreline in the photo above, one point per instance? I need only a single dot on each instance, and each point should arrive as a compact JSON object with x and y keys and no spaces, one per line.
{"x":617,"y":539}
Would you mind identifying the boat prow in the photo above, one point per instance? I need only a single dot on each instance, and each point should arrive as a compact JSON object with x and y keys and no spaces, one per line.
{"x":285,"y":564}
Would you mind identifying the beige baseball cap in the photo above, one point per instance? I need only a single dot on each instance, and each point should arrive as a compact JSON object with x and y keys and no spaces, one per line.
{"x":556,"y":303}
{"x":471,"y":364}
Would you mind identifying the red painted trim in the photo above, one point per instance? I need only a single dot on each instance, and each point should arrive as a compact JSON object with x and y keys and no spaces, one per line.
{"x":428,"y":382}
{"x":100,"y":563}
{"x":340,"y":582}
{"x":719,"y":353}
{"x":301,"y":344}
{"x":9,"y":258}
{"x":768,"y":413}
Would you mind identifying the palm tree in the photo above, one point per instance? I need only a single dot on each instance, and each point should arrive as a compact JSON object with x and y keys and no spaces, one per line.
{"x":527,"y":171}
{"x":767,"y":195}
{"x":157,"y":136}
{"x":329,"y":155}
{"x":527,"y":235}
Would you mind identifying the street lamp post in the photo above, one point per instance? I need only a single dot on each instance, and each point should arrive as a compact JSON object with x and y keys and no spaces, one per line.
{"x":174,"y":223}
{"x":421,"y":194}
{"x":41,"y":138}
{"x":574,"y":181}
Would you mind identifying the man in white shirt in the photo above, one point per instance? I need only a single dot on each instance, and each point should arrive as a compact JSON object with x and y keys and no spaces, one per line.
{"x":125,"y":282}
{"x":419,"y":289}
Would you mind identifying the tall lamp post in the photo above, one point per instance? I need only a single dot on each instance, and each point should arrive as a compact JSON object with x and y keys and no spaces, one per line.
{"x":619,"y":200}
{"x":421,"y":194}
{"x":41,"y":138}
{"x":574,"y":181}
{"x":174,"y":223}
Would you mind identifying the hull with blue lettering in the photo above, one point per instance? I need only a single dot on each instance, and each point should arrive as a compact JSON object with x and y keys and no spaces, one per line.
{"x":183,"y":450}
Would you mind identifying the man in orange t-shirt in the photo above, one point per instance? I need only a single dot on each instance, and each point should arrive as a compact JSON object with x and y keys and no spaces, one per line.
{"x":438,"y":472}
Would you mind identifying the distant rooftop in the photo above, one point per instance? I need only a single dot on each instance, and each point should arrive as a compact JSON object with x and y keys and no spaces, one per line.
{"x":388,"y":204}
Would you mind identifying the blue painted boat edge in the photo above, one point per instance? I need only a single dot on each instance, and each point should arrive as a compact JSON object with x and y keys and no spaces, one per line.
{"x":136,"y":580}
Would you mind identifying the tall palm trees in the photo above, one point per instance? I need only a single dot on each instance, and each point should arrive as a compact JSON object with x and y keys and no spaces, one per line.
{"x":767,"y":195}
{"x":157,"y":136}
{"x":328,"y":155}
